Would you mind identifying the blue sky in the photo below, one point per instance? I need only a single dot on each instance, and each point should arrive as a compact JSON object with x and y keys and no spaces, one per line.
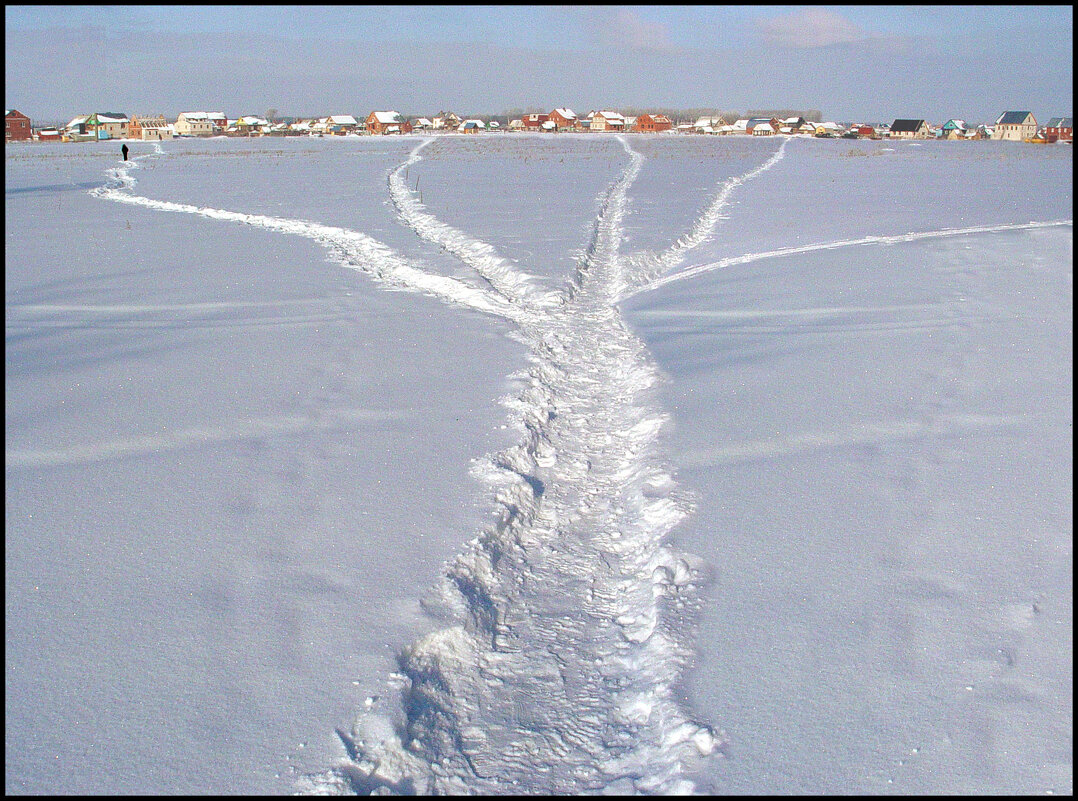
{"x":851,"y":62}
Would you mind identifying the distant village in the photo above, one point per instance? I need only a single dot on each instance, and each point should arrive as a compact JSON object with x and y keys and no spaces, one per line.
{"x":1018,"y":126}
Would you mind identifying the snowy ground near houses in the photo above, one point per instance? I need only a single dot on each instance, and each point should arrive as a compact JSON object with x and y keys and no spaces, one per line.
{"x":527,"y":464}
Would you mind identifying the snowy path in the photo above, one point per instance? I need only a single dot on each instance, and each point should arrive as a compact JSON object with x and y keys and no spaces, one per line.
{"x":567,"y":621}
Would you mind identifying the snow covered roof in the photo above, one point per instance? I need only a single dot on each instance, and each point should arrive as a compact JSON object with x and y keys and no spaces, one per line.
{"x":342,"y":119}
{"x":387,"y":117}
{"x":548,"y":125}
{"x":566,"y":112}
{"x":77,"y":121}
{"x":611,"y":115}
{"x":423,"y":122}
{"x":111,"y":117}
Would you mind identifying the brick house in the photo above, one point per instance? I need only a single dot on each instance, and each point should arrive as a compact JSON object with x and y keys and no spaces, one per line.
{"x":564,"y":119}
{"x":17,"y":126}
{"x":387,"y":122}
{"x":1060,"y":129}
{"x":534,"y":122}
{"x":652,"y":123}
{"x":763,"y":126}
{"x":149,"y":127}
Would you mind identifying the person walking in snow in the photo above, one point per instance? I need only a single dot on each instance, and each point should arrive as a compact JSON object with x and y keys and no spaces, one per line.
{"x":124,"y":151}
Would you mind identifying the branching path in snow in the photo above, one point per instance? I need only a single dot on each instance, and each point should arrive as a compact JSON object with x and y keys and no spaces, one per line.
{"x":568,"y":619}
{"x":567,"y":622}
{"x":567,"y":629}
{"x":894,"y":239}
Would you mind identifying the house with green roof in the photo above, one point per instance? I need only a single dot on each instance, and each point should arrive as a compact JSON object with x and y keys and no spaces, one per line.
{"x":953,"y":129}
{"x":108,"y":125}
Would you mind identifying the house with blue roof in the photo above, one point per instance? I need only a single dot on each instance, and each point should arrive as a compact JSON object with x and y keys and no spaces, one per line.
{"x":1015,"y":126}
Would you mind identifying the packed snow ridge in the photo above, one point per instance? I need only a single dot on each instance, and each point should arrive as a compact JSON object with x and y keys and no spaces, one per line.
{"x":567,"y":621}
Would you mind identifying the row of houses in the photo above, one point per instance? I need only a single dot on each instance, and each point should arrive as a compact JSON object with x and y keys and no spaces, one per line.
{"x":1013,"y":126}
{"x":1010,"y":125}
{"x":102,"y":126}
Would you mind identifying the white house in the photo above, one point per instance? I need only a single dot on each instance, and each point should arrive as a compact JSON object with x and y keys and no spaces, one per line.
{"x":708,"y":124}
{"x":197,"y":123}
{"x":1015,"y":126}
{"x":340,"y":124}
{"x":471,"y":126}
{"x":607,"y":121}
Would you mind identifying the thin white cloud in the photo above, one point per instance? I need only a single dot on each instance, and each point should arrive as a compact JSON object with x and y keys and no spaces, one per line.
{"x":625,"y":28}
{"x":812,"y":27}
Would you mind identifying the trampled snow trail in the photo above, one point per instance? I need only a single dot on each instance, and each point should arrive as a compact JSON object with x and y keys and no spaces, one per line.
{"x":894,"y":239}
{"x":648,"y":265}
{"x":568,"y":621}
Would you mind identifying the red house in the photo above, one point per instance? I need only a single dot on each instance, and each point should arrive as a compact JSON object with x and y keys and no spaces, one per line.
{"x":534,"y":122}
{"x":564,"y":119}
{"x":17,"y":126}
{"x":651,"y":123}
{"x":1060,"y":129}
{"x":387,"y":122}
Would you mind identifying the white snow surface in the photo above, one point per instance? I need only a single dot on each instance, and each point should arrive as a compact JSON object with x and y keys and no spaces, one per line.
{"x":576,"y":464}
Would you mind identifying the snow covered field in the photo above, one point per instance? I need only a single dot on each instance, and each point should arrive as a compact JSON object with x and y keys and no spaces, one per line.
{"x":539,"y":464}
